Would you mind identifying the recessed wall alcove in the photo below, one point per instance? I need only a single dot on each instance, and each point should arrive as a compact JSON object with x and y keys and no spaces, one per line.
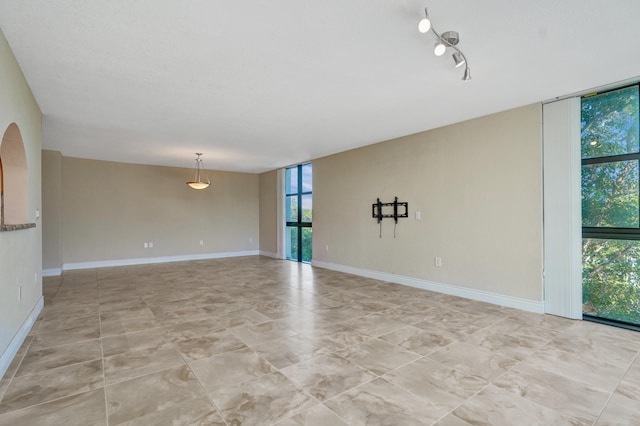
{"x":14,"y":183}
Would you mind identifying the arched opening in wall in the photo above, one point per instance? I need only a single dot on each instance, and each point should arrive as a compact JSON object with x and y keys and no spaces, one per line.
{"x":13,"y":178}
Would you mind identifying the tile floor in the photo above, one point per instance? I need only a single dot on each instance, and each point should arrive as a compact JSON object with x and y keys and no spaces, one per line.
{"x":261,"y":341}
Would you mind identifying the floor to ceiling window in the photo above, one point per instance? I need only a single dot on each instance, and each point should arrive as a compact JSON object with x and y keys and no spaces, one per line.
{"x":299,"y":206}
{"x":610,"y":146}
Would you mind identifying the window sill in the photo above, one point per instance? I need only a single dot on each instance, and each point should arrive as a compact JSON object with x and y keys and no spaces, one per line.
{"x":16,"y":227}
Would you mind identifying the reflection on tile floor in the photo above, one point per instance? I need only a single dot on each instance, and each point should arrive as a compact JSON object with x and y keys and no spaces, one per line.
{"x":258,"y":341}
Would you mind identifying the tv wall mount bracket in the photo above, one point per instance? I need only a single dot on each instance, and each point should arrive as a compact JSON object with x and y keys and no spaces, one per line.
{"x":394,"y":210}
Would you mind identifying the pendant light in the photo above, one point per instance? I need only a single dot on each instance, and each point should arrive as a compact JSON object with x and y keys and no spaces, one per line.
{"x":197,"y":182}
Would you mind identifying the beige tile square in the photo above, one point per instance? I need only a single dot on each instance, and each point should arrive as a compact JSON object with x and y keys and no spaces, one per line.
{"x":39,"y":360}
{"x":596,"y":348}
{"x":56,"y":324}
{"x":198,"y":411}
{"x":630,"y":385}
{"x":239,"y":318}
{"x":79,"y":333}
{"x":451,"y":420}
{"x":223,"y":307}
{"x":85,"y":409}
{"x":327,"y":376}
{"x":441,"y":385}
{"x":514,"y":344}
{"x":290,"y":350}
{"x":140,"y":362}
{"x":229,"y":369}
{"x":337,"y":337}
{"x":209,"y":345}
{"x":191,"y":329}
{"x":473,"y":360}
{"x":621,"y":410}
{"x":494,"y":406}
{"x":48,"y":385}
{"x":254,"y":335}
{"x":419,"y":340}
{"x":378,"y":356}
{"x":382,"y":403}
{"x":318,"y":415}
{"x":147,"y":395}
{"x":15,"y":364}
{"x":177,"y":316}
{"x":264,"y":400}
{"x":557,"y":392}
{"x":598,"y":374}
{"x":374,"y":324}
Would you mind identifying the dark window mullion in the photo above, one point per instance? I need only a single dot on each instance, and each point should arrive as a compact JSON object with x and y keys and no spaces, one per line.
{"x":299,"y":212}
{"x":611,"y":158}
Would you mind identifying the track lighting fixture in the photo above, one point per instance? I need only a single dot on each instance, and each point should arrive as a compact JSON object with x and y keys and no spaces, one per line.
{"x":448,"y":39}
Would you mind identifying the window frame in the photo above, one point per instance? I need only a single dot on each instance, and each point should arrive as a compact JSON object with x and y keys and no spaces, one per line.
{"x":603,"y":232}
{"x":299,"y":223}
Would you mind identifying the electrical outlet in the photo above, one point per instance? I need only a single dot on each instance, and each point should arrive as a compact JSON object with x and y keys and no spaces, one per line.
{"x":438,"y":261}
{"x":326,"y":247}
{"x":418,"y":215}
{"x":146,"y":245}
{"x":250,"y":240}
{"x":201,"y":242}
{"x":150,"y":245}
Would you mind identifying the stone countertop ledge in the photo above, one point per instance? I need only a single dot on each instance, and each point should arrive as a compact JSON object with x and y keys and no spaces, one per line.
{"x":16,"y":227}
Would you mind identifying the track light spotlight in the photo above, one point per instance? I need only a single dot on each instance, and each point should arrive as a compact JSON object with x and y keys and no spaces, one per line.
{"x":425,"y":23}
{"x":445,"y":40}
{"x":458,"y":59}
{"x":467,"y":74}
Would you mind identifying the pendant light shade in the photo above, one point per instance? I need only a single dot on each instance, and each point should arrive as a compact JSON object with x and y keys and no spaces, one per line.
{"x":198,"y":182}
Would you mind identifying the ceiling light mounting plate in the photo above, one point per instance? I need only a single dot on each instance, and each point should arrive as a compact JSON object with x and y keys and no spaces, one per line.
{"x":451,"y":37}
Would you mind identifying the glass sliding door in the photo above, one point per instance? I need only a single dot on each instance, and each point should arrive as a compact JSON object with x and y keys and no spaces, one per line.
{"x":610,"y":146}
{"x":299,"y":212}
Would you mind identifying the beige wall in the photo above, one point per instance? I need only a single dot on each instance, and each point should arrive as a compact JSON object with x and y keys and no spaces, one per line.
{"x":478,"y":186}
{"x":268,"y":213}
{"x":109,"y":210}
{"x":20,"y":251}
{"x":51,"y":209}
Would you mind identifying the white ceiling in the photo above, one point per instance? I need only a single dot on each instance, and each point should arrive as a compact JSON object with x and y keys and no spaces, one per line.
{"x":256,"y":85}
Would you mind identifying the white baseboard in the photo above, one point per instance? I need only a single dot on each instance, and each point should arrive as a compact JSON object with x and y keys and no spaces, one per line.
{"x":468,"y":293}
{"x":18,"y":339}
{"x":269,"y":254}
{"x":53,"y":272}
{"x":145,"y":260}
